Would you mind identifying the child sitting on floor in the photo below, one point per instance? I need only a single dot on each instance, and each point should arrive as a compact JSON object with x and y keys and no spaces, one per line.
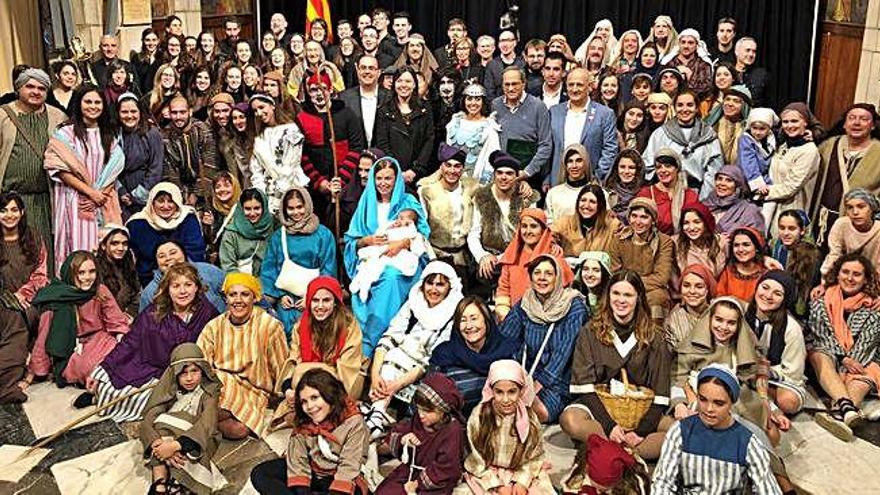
{"x":430,"y":445}
{"x":607,"y":468}
{"x":375,"y":258}
{"x":179,"y":430}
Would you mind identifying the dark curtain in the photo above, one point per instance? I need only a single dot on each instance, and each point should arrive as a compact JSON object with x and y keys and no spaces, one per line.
{"x":783,"y":28}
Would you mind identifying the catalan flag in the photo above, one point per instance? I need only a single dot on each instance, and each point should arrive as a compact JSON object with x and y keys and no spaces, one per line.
{"x":319,"y":9}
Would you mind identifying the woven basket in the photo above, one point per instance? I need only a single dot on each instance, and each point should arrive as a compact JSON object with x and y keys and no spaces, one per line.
{"x":628,"y":409}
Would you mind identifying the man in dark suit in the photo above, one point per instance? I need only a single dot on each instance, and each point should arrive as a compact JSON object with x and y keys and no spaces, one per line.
{"x":365,"y":98}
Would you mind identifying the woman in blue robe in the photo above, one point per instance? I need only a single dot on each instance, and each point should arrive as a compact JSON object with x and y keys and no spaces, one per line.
{"x":383,"y":199}
{"x":309,"y":245}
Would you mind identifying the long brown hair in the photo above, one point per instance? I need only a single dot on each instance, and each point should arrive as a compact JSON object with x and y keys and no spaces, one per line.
{"x":484,"y":443}
{"x":803,"y":257}
{"x":162,"y":299}
{"x":707,"y":240}
{"x":325,"y":334}
{"x":644,"y":327}
{"x":331,"y":390}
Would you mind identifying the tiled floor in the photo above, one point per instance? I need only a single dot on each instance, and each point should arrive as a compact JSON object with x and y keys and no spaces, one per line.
{"x":105,"y":458}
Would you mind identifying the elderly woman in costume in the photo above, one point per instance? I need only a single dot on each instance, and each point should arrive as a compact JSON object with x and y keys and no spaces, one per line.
{"x":532,"y":239}
{"x":844,"y":340}
{"x":402,"y":354}
{"x":729,"y":205}
{"x":383,"y":199}
{"x":690,"y":457}
{"x":178,"y":314}
{"x":504,"y":434}
{"x":164,"y":217}
{"x":84,"y":158}
{"x":430,"y":444}
{"x":545,"y":324}
{"x":179,"y":430}
{"x":474,"y":344}
{"x":247,"y":347}
{"x":80,"y":322}
{"x":622,"y":336}
{"x":298,"y":252}
{"x":23,"y":259}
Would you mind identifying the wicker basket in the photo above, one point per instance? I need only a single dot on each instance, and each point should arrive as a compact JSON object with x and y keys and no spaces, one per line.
{"x":626,"y":410}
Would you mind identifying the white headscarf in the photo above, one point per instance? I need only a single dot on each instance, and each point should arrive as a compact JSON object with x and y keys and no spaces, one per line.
{"x":610,"y":44}
{"x":618,"y":48}
{"x":153,"y":218}
{"x":436,"y":318}
{"x":673,"y":36}
{"x":702,"y":51}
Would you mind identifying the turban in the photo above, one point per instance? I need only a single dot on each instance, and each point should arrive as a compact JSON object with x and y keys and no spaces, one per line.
{"x":245,"y":279}
{"x":32,"y":73}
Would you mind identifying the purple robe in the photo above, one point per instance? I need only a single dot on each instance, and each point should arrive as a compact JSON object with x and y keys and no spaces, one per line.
{"x":145,"y":351}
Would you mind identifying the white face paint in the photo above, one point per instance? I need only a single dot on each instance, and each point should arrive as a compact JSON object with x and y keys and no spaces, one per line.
{"x":447,"y":88}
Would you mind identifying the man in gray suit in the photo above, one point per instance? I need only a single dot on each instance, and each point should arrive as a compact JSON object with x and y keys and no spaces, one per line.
{"x":365,"y":98}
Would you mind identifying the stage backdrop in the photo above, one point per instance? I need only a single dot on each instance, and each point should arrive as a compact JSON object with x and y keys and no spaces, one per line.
{"x":783,"y":28}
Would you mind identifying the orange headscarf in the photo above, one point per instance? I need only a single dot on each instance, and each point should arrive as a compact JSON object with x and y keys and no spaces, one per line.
{"x":517,"y":253}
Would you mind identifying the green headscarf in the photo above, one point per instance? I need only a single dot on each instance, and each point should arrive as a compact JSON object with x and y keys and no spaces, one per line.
{"x":62,"y":297}
{"x":253,"y":231}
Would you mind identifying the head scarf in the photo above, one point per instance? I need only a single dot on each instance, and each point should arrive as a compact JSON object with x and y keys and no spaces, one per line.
{"x":62,"y":297}
{"x":510,"y":370}
{"x":245,"y":279}
{"x":702,"y":52}
{"x":309,"y":222}
{"x":735,"y":209}
{"x":607,"y":461}
{"x":753,"y":234}
{"x":610,"y":44}
{"x":647,"y":204}
{"x":672,"y":39}
{"x":702,"y":272}
{"x":109,"y":229}
{"x":444,"y":395}
{"x":455,"y":352}
{"x":618,"y":47}
{"x":702,"y":211}
{"x":153,"y":218}
{"x":224,"y":207}
{"x":307,"y":351}
{"x":602,"y":257}
{"x":725,"y":374}
{"x":866,"y":196}
{"x":682,"y":82}
{"x":168,"y":386}
{"x":221,"y":97}
{"x":436,"y":318}
{"x":511,"y":255}
{"x":717,"y":112}
{"x":556,"y":305}
{"x":34,"y":73}
{"x":742,"y":344}
{"x":663,"y":99}
{"x":765,"y":116}
{"x":588,"y":169}
{"x":261,"y":229}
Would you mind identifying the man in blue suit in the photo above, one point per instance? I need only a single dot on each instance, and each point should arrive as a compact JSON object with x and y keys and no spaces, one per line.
{"x":580,"y":120}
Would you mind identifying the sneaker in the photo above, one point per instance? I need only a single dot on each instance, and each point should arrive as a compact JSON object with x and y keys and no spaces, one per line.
{"x":84,"y":400}
{"x":836,"y":427}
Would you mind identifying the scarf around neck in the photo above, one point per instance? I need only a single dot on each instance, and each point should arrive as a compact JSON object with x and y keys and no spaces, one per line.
{"x":837,"y":305}
{"x":435,"y":318}
{"x":555,"y":306}
{"x":259,"y":230}
{"x":308,"y":224}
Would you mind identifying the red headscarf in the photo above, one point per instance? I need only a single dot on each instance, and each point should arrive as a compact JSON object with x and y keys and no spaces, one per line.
{"x":702,"y":211}
{"x":545,"y":245}
{"x":703,"y":272}
{"x":606,"y":461}
{"x":307,"y":349}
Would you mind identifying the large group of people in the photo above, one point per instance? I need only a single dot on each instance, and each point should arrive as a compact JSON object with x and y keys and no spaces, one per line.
{"x":429,"y":254}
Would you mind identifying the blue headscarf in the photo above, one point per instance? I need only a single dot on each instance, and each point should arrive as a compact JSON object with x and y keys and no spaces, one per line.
{"x":365,"y":220}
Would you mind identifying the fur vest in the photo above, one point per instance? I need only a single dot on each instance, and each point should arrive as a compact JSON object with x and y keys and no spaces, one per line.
{"x":492,"y":237}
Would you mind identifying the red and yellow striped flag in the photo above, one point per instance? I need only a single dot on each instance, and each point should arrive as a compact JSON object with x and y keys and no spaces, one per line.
{"x":319,"y":9}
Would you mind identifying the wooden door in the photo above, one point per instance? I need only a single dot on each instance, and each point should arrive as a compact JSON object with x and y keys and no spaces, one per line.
{"x":839,"y":54}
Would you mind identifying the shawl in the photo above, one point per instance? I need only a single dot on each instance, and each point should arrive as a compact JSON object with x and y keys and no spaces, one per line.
{"x":182,"y":355}
{"x":455,"y":352}
{"x":153,"y":218}
{"x":610,"y":45}
{"x":617,"y":51}
{"x":61,"y":156}
{"x":442,"y":392}
{"x":307,"y":350}
{"x":224,"y":207}
{"x":62,"y":297}
{"x":365,"y":220}
{"x":545,"y":245}
{"x":510,"y":370}
{"x":837,"y":305}
{"x":701,"y":135}
{"x":325,"y":428}
{"x":737,"y":211}
{"x":309,"y":223}
{"x":435,"y":318}
{"x":556,"y":305}
{"x":702,"y":341}
{"x":258,"y":230}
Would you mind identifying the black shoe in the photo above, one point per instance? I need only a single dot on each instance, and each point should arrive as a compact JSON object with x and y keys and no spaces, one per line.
{"x":84,"y":400}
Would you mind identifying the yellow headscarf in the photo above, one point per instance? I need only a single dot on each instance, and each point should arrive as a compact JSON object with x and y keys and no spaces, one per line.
{"x":245,"y":279}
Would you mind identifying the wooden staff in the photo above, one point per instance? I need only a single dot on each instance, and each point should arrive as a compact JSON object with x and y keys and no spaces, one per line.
{"x":69,"y":426}
{"x":335,"y":197}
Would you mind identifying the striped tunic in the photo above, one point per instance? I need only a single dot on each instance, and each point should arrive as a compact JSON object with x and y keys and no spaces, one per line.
{"x":699,"y":460}
{"x":864,"y":324}
{"x":248,"y":360}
